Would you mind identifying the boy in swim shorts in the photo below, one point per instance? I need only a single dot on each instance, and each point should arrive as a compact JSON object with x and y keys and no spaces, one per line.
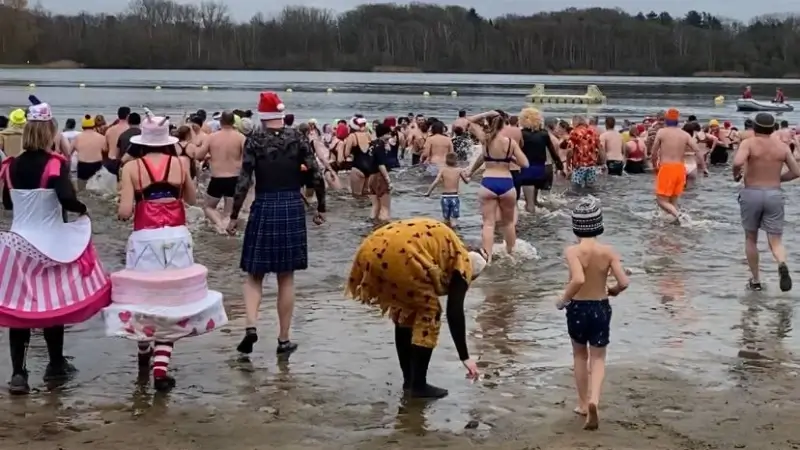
{"x":587,"y":308}
{"x":451,"y":176}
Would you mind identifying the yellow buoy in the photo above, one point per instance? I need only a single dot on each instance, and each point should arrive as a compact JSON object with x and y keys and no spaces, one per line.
{"x":718,"y":100}
{"x":32,"y":85}
{"x":289,"y":90}
{"x":158,"y":88}
{"x":205,"y":88}
{"x":81,"y":85}
{"x":330,"y":90}
{"x":426,"y":94}
{"x":454,"y":94}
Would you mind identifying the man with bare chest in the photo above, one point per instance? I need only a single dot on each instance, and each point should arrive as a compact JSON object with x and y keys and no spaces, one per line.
{"x":224,"y":153}
{"x":90,"y":147}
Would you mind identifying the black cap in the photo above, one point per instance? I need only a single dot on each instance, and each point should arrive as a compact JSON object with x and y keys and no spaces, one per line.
{"x":764,"y":120}
{"x":748,"y":124}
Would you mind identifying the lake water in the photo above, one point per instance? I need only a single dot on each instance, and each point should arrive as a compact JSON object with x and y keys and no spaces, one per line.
{"x":686,"y":310}
{"x":372,"y":94}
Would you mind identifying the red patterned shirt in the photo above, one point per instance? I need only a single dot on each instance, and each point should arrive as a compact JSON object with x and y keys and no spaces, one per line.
{"x":585,"y":143}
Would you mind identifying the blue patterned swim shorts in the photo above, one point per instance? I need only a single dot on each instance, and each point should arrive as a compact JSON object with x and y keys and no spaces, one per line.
{"x":584,"y":176}
{"x":589,"y":322}
{"x":451,"y":206}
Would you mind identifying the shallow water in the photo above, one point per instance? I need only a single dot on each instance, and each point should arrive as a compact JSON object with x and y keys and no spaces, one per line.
{"x":686,"y":309}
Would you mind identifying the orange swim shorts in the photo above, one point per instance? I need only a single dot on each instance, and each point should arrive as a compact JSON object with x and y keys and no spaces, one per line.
{"x":671,"y":179}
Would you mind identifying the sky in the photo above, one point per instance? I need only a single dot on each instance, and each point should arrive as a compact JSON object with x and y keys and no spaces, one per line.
{"x":244,"y":9}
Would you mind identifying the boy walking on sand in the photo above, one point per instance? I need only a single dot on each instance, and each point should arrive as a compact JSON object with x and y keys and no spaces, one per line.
{"x":451,"y":176}
{"x":586,"y":301}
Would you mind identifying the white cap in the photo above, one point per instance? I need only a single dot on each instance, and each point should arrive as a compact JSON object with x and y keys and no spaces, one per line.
{"x":478,"y":263}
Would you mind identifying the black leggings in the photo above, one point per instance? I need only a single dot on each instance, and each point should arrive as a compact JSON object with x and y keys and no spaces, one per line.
{"x":19,"y":338}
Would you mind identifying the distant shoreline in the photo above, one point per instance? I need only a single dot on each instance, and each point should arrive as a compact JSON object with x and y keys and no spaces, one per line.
{"x":66,"y":64}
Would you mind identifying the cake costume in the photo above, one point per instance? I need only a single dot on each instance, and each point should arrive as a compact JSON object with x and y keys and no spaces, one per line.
{"x":162,"y":295}
{"x":50,"y":275}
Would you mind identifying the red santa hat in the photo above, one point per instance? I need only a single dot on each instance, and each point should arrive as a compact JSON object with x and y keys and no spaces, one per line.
{"x":270,"y":106}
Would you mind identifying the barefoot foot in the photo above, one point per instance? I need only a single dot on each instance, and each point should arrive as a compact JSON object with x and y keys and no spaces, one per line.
{"x":580,"y":410}
{"x":592,"y":420}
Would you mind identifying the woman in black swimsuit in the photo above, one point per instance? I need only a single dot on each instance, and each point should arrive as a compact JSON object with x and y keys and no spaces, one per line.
{"x":185,"y":149}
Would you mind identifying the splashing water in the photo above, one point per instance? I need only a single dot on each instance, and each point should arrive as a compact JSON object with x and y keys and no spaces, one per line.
{"x":103,"y":183}
{"x":523,"y":251}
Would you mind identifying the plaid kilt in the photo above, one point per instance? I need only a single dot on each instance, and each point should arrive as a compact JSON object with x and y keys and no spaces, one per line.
{"x":275,"y":239}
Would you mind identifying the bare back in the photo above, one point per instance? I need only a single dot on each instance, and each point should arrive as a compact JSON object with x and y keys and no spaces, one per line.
{"x":515,"y":134}
{"x":112,"y":138}
{"x":671,"y":144}
{"x":596,"y":259}
{"x":611,"y":144}
{"x":90,"y":146}
{"x":764,"y":158}
{"x":225,"y":148}
{"x":451,"y":179}
{"x":437,"y":147}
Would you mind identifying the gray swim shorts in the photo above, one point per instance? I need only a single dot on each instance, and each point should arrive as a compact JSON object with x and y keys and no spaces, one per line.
{"x":762,"y":208}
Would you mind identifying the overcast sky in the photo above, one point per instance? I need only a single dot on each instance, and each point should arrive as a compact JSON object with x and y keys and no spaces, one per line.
{"x":244,"y":9}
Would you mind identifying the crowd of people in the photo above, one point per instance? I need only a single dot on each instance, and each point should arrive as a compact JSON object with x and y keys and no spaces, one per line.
{"x":274,"y":169}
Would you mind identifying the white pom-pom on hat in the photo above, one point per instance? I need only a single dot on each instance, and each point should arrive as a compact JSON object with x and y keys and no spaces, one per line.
{"x":281,"y":107}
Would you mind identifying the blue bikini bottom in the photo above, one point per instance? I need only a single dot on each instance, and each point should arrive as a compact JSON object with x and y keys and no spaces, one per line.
{"x":498,"y":185}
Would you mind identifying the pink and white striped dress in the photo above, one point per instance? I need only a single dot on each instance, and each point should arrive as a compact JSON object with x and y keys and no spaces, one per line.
{"x":49,"y":272}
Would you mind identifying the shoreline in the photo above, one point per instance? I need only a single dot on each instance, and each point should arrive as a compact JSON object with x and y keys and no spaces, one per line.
{"x":72,"y":65}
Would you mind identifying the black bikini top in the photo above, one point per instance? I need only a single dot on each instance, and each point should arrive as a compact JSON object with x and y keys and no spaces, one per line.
{"x":489,"y":158}
{"x":156,"y":189}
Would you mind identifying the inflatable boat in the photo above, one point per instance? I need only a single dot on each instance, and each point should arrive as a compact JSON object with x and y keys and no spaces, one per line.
{"x":751,"y":105}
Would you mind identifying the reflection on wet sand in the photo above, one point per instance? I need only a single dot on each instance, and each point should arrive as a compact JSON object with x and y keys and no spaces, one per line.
{"x":763,"y":347}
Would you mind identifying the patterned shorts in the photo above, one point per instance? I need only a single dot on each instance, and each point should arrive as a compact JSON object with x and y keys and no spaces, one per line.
{"x":589,"y":322}
{"x":584,"y":176}
{"x":451,"y":206}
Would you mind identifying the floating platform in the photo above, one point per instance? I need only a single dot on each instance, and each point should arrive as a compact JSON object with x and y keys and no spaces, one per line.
{"x":593,"y":96}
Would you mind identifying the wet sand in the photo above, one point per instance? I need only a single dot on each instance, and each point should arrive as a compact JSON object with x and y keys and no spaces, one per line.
{"x":645,"y":408}
{"x":694,"y":362}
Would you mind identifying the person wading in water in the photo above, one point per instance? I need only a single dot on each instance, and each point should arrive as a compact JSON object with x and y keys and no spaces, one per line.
{"x":761,"y":200}
{"x":224,"y":149}
{"x":669,"y":153}
{"x":356,"y":145}
{"x":497,"y":186}
{"x":275,"y":239}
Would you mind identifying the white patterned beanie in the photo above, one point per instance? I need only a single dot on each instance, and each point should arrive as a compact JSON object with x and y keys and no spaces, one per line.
{"x":587,"y":218}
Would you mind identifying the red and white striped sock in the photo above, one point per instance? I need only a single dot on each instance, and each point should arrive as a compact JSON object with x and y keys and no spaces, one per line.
{"x":161,"y":357}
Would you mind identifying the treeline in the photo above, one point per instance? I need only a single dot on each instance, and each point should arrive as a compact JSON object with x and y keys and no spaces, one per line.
{"x":162,"y":34}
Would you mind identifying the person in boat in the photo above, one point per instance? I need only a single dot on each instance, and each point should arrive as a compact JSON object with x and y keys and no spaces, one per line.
{"x":748,"y":93}
{"x":403,"y":268}
{"x":779,"y":97}
{"x":275,"y":241}
{"x":154,"y":187}
{"x":52,"y":275}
